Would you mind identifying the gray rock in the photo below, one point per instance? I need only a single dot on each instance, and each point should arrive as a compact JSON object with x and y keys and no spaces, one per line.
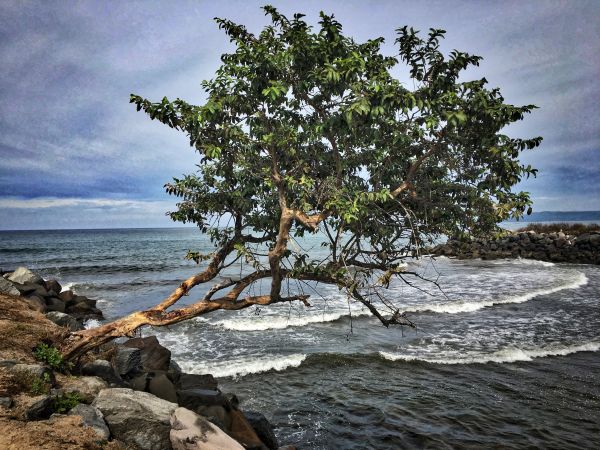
{"x":6,"y":287}
{"x":53,"y":285}
{"x":263,"y":428}
{"x":6,"y":402}
{"x":33,"y":371}
{"x":30,"y":288}
{"x":87,"y":387}
{"x":93,"y":418}
{"x":127,"y":360}
{"x":136,"y":418}
{"x":153,"y":355}
{"x":192,"y":432}
{"x":157,"y":383}
{"x":64,"y":320}
{"x":40,"y":409}
{"x":103,"y":369}
{"x":195,"y":399}
{"x":23,"y":275}
{"x":55,"y":304}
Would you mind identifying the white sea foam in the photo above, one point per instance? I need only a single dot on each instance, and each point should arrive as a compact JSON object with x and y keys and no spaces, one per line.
{"x":68,"y":286}
{"x":462,"y":306}
{"x":91,"y":323}
{"x":279,"y":322}
{"x":244,"y":366}
{"x":506,"y":355}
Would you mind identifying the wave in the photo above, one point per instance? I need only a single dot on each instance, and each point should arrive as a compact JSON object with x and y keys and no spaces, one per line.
{"x":507,"y":355}
{"x":461,"y":306}
{"x":271,"y":322}
{"x":244,"y":366}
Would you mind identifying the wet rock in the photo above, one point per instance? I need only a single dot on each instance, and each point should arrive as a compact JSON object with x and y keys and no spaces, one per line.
{"x":263,"y":428}
{"x":93,"y":418}
{"x":23,"y":275}
{"x":6,"y":287}
{"x":195,"y":399}
{"x":242,"y":431}
{"x":127,"y":360}
{"x":195,"y":381}
{"x":53,"y":285}
{"x":136,"y":418}
{"x":64,"y":320}
{"x":40,"y":409}
{"x":153,"y":355}
{"x":55,"y":304}
{"x":67,"y":296}
{"x":192,"y":432}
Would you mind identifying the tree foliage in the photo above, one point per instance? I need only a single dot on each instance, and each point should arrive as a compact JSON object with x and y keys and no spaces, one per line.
{"x":304,"y":130}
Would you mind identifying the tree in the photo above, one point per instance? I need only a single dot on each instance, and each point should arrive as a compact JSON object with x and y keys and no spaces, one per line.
{"x":307,"y":131}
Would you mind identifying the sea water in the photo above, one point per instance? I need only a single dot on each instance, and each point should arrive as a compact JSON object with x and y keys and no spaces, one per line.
{"x":506,"y":353}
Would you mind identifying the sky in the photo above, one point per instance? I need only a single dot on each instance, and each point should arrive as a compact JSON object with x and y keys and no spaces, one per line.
{"x":75,"y":154}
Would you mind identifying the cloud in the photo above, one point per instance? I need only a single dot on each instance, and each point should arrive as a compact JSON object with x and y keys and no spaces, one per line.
{"x":68,"y":131}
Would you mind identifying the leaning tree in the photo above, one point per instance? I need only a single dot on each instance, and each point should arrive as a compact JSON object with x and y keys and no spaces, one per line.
{"x":307,"y":131}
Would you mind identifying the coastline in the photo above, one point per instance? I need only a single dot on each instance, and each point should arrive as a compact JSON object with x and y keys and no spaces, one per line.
{"x":113,"y":389}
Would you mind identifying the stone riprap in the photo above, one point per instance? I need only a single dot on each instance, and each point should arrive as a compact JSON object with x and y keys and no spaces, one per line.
{"x":553,"y":247}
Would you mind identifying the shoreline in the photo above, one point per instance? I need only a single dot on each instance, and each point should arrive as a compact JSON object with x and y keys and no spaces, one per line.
{"x":126,"y":376}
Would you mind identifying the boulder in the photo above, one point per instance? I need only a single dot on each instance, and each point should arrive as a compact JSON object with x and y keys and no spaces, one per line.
{"x":191,"y":432}
{"x":174,"y":371}
{"x":102,"y":369}
{"x":87,"y":387}
{"x":263,"y":428}
{"x":53,"y":285}
{"x":242,"y":431}
{"x":196,"y":399}
{"x":127,"y":360}
{"x":33,"y":371}
{"x":83,"y":299}
{"x":93,"y":418}
{"x":157,"y":383}
{"x":195,"y":381}
{"x":55,"y":304}
{"x":136,"y":418}
{"x":23,"y":275}
{"x":64,"y":320}
{"x":6,"y":402}
{"x":6,"y":287}
{"x":153,"y":355}
{"x":36,"y":303}
{"x":30,"y":288}
{"x":40,"y":409}
{"x":67,"y":296}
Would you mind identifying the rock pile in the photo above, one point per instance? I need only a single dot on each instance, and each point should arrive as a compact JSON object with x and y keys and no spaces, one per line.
{"x":138,"y":395}
{"x":554,"y":247}
{"x":62,"y":307}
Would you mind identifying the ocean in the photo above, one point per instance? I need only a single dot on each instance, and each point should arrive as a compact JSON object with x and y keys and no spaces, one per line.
{"x":506,"y":353}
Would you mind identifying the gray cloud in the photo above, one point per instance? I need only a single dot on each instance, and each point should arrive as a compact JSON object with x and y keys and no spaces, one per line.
{"x":67,"y":130}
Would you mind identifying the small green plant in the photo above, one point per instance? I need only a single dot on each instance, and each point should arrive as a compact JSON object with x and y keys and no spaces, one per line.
{"x":66,"y":402}
{"x":50,"y":355}
{"x":41,"y":385}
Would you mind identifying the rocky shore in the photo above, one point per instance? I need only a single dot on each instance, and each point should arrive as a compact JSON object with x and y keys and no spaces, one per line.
{"x":553,"y":247}
{"x":129,"y":394}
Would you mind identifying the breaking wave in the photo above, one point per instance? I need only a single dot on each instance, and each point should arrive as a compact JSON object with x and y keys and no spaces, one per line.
{"x":506,"y":355}
{"x":244,"y":366}
{"x":461,"y":306}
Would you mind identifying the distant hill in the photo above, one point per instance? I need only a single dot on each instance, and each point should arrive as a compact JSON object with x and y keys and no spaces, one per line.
{"x":562,"y":216}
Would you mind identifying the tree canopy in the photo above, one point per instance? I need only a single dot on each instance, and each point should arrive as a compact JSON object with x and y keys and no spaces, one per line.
{"x":305,"y":130}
